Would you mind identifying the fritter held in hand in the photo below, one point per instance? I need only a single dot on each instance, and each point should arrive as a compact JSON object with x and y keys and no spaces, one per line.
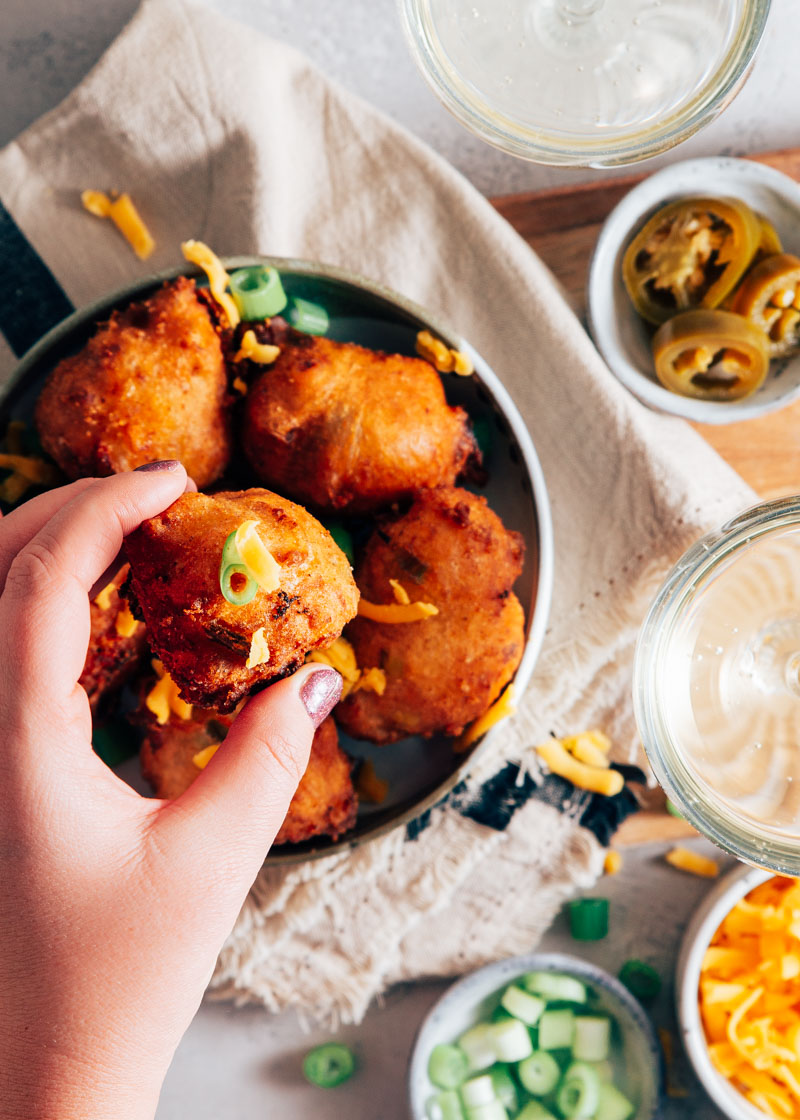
{"x":348,"y":429}
{"x":150,"y":384}
{"x":324,"y":804}
{"x":442,"y":672}
{"x":116,"y":645}
{"x":215,"y":650}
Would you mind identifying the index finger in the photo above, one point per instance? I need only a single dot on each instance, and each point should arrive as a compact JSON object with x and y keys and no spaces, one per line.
{"x":44,"y":608}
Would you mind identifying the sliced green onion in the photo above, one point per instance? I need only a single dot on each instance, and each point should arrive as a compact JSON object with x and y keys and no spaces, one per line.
{"x":592,"y":1038}
{"x":447,"y":1066}
{"x":605,"y":1070}
{"x":556,"y":1029}
{"x":500,"y":1015}
{"x":329,"y":1065}
{"x":477,"y":1044}
{"x":613,"y":1105}
{"x":257,"y":292}
{"x":522,"y":1005}
{"x":579,"y":1093}
{"x":445,"y":1106}
{"x":230,"y":553}
{"x":555,"y":985}
{"x":673,"y":810}
{"x":511,"y":1041}
{"x":505,"y":1088}
{"x":533,"y":1110}
{"x":640,"y":979}
{"x":478,"y":1090}
{"x":342,"y":537}
{"x":492,"y":1110}
{"x":588,"y":918}
{"x":308,"y":317}
{"x":540,"y":1073}
{"x":237,"y":585}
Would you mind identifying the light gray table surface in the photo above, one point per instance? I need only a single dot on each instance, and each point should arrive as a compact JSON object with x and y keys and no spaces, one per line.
{"x":243,"y":1064}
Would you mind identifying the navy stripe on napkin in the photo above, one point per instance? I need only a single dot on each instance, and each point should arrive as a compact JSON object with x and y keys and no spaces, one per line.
{"x":31,"y":299}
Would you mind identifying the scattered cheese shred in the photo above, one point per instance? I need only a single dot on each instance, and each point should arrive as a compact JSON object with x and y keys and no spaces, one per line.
{"x":203,"y":757}
{"x":240,"y":385}
{"x":674,"y":1088}
{"x":613,"y":862}
{"x":104,"y":598}
{"x":591,"y":747}
{"x":371,"y":680}
{"x":256,"y":557}
{"x":254,"y":351}
{"x":592,"y":778}
{"x":259,"y":650}
{"x":396,"y":612}
{"x":125,"y":624}
{"x":125,"y":217}
{"x":503,"y":706}
{"x":163,"y":699}
{"x":399,"y":592}
{"x":369,"y":786}
{"x":341,"y":657}
{"x":31,"y":468}
{"x":197,"y":253}
{"x":695,"y":864}
{"x":442,"y":357}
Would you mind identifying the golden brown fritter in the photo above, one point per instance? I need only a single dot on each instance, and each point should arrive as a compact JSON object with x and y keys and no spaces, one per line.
{"x":324,"y":804}
{"x":150,"y":384}
{"x":348,"y":429}
{"x":112,"y":658}
{"x":451,"y":550}
{"x":203,"y":640}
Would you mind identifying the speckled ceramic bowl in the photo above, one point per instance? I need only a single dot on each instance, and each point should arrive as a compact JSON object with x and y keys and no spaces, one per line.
{"x":623,"y":338}
{"x":420,"y":772}
{"x":477,"y":994}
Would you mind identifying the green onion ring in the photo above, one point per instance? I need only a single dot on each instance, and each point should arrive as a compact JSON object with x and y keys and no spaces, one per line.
{"x":257,"y":292}
{"x":237,"y":598}
{"x":308,"y":317}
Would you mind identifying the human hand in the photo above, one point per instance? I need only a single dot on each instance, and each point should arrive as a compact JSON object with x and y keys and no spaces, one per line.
{"x":113,"y":907}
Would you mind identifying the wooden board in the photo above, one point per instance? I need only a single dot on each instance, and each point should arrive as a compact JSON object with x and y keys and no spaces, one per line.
{"x":562,"y":225}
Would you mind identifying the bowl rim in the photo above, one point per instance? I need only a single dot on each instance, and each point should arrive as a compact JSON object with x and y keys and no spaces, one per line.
{"x":507,"y":969}
{"x":705,"y":920}
{"x":470,"y":109}
{"x":500,"y":397}
{"x":644,"y":198}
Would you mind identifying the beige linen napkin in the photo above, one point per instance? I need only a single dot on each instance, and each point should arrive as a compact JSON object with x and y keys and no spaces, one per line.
{"x":225,"y":136}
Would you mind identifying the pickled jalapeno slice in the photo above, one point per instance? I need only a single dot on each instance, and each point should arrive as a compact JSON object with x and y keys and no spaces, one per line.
{"x":691,"y":254}
{"x":711,"y":355}
{"x":769,"y":242}
{"x":770,"y":299}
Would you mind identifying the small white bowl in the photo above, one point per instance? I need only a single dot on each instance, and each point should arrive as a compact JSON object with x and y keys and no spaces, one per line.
{"x":471,"y":999}
{"x":621,"y":335}
{"x":730,"y":890}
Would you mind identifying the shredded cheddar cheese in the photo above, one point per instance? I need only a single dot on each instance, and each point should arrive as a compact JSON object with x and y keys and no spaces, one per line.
{"x":462,"y":363}
{"x":613,"y":862}
{"x":396,"y":612}
{"x":197,"y":253}
{"x":674,"y":1088}
{"x":103,"y":598}
{"x":31,"y":468}
{"x":125,"y":217}
{"x":163,"y":699}
{"x":593,"y":778}
{"x":371,"y":680}
{"x":341,"y":657}
{"x":399,"y":592}
{"x":441,"y":357}
{"x":125,"y":624}
{"x":591,"y":747}
{"x":369,"y":786}
{"x":203,"y":757}
{"x":695,"y":864}
{"x":503,"y":706}
{"x":240,"y":385}
{"x":256,"y":557}
{"x":259,"y":650}
{"x":253,"y":350}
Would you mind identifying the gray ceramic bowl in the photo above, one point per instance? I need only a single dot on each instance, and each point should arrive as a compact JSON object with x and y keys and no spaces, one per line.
{"x":420,"y":772}
{"x":477,"y":995}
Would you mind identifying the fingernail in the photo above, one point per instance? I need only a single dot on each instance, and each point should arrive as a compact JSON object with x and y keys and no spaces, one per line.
{"x":160,"y":465}
{"x":320,"y":694}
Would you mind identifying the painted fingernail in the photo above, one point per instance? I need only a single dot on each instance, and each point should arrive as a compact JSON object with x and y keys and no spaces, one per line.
{"x":160,"y":465}
{"x":320,"y":694}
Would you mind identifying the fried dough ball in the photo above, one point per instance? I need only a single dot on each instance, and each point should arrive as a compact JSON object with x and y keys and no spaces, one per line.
{"x":347,"y":429}
{"x":442,"y":672}
{"x":203,"y":640}
{"x":324,"y":803}
{"x":150,"y":384}
{"x":112,"y":657}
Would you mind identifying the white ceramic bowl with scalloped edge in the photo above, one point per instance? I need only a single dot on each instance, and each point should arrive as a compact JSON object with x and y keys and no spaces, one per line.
{"x":622,"y":336}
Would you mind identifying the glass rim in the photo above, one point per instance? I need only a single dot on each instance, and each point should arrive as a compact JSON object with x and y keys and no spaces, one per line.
{"x":746,"y":838}
{"x":540,"y":146}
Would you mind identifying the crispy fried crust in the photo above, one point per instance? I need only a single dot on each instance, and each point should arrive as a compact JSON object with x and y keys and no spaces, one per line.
{"x":150,"y":384}
{"x":110,"y":660}
{"x":324,"y":804}
{"x":203,"y":640}
{"x":450,"y":549}
{"x":344,"y":428}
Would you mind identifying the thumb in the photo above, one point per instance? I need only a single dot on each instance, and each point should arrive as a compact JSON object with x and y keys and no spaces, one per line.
{"x":239,"y":801}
